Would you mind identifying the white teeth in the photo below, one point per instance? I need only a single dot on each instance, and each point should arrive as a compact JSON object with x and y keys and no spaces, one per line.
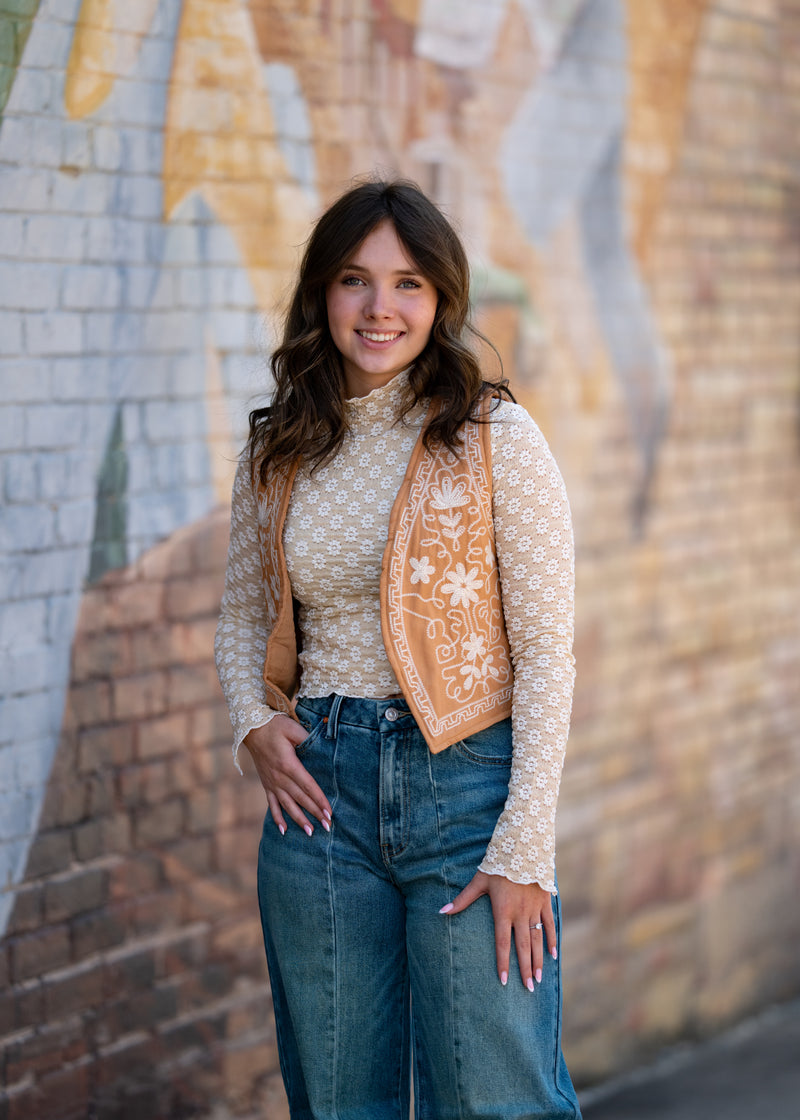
{"x":377,"y":336}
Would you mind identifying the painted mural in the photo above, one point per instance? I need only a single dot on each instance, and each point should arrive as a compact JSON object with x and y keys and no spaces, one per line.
{"x":160,"y":164}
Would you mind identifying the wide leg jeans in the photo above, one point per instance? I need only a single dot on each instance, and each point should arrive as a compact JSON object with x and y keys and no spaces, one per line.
{"x":367,"y":977}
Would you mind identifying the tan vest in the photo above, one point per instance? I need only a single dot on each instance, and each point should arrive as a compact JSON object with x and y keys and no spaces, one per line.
{"x":441,"y":610}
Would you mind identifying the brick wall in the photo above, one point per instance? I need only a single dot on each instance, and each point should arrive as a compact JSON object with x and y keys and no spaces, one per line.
{"x":626,"y":180}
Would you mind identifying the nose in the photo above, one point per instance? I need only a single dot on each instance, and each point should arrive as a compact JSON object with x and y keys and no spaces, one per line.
{"x":379,"y":303}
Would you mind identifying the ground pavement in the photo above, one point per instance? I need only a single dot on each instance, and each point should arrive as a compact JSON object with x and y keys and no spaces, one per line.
{"x":751,"y":1072}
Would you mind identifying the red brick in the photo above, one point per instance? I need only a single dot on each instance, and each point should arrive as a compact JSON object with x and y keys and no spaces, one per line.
{"x":103,"y":747}
{"x":152,"y":648}
{"x":89,"y":704}
{"x":141,"y":696}
{"x":193,"y":684}
{"x":77,"y":991}
{"x":26,"y":911}
{"x":138,"y":603}
{"x":142,"y":873}
{"x":194,"y":641}
{"x":94,"y":932}
{"x":74,"y":894}
{"x":191,"y":598}
{"x":195,"y":854}
{"x":67,"y":802}
{"x":210,"y":723}
{"x":39,"y":952}
{"x":164,"y":736}
{"x":100,"y":656}
{"x":62,"y":1095}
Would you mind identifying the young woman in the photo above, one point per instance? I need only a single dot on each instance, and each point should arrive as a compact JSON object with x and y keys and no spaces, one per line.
{"x":395,"y":648}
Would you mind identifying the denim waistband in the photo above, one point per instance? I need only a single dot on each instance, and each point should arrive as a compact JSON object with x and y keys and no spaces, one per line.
{"x":389,"y":714}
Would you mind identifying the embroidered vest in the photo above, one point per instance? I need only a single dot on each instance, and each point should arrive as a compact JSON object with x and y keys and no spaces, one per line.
{"x":441,"y":610}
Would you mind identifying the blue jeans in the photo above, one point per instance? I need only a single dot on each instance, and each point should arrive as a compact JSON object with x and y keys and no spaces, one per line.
{"x":367,"y":977}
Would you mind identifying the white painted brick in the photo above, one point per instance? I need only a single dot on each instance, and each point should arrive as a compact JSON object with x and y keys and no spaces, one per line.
{"x":168,"y":331}
{"x":52,"y":474}
{"x":140,"y":466}
{"x":8,"y":777}
{"x":10,"y":334}
{"x":32,"y":92}
{"x":230,"y":287}
{"x":181,"y":244}
{"x":114,"y":332}
{"x":86,"y":193}
{"x":51,"y":426}
{"x":23,"y":624}
{"x":166,"y":468}
{"x":139,"y":103}
{"x":25,"y":379}
{"x":11,"y":236}
{"x":48,"y":45}
{"x":107,"y":146}
{"x":19,"y":813}
{"x":141,"y":196}
{"x":23,"y":190}
{"x":32,"y":670}
{"x":28,"y":287}
{"x":80,"y":379}
{"x":76,"y":145}
{"x":35,"y":761}
{"x":152,"y":517}
{"x":21,"y":481}
{"x":193,"y":287}
{"x":148,"y":377}
{"x":83,"y":463}
{"x":12,"y":577}
{"x":232,"y":329}
{"x":53,"y":332}
{"x":221,"y":248}
{"x":196,"y":467}
{"x":132,"y":421}
{"x":55,"y":237}
{"x":141,"y":150}
{"x":16,"y":141}
{"x":75,"y":522}
{"x":148,"y":287}
{"x":46,"y":142}
{"x":167,"y":421}
{"x":91,"y":286}
{"x":115,"y":239}
{"x":187,"y":374}
{"x":12,"y":421}
{"x":53,"y":571}
{"x":62,"y":613}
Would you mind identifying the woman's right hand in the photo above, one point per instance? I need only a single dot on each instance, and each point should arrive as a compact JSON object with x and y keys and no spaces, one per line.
{"x":288,"y":785}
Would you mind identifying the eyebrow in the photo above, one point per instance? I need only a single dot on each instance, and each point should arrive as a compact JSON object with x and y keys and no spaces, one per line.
{"x":397,"y":271}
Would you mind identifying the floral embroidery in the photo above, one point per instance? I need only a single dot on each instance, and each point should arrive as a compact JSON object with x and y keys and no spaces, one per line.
{"x":463,"y":586}
{"x":423,"y":570}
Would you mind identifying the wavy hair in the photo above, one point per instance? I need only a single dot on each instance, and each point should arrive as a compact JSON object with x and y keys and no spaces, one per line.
{"x":306,"y":417}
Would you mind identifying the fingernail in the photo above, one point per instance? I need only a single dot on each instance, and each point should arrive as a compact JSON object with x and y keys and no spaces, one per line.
{"x":554,"y":953}
{"x":282,"y":829}
{"x":529,"y":984}
{"x":327,"y":815}
{"x":504,"y":978}
{"x":325,"y":825}
{"x":308,"y":830}
{"x":446,"y":909}
{"x":538,"y":976}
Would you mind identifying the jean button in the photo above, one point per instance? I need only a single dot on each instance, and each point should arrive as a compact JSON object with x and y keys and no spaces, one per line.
{"x":392,"y":714}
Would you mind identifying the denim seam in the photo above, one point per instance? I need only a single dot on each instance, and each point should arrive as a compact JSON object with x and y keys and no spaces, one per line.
{"x":451,"y":953}
{"x":334,"y":1019}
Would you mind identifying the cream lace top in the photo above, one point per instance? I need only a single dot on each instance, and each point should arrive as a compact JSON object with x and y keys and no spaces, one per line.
{"x":334,"y":538}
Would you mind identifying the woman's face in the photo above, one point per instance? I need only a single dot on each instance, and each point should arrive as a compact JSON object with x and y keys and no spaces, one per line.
{"x":380,"y":311}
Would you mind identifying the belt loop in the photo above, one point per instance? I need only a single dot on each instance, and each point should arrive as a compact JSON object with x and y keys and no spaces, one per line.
{"x":333,"y":717}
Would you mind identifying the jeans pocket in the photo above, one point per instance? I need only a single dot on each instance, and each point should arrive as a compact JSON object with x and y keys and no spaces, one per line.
{"x":490,"y":747}
{"x":314,"y":726}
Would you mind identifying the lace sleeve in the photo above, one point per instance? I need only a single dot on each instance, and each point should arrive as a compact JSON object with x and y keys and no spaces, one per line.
{"x":241,"y":637}
{"x":533,"y":531}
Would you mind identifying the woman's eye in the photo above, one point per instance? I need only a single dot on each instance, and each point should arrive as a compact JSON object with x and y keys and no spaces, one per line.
{"x":352,"y":281}
{"x":410,"y":284}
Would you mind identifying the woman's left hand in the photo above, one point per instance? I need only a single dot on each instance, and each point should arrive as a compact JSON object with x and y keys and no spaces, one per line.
{"x":518,"y":907}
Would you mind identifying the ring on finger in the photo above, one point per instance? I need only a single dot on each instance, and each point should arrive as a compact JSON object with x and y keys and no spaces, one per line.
{"x":537,"y":926}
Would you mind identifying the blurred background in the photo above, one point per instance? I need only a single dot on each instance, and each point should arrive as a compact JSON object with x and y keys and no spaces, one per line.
{"x":626,"y":177}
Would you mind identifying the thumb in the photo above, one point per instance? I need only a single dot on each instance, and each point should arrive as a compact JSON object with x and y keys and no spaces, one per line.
{"x":476,"y":887}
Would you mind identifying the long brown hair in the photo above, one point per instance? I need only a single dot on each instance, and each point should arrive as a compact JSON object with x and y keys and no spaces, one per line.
{"x":306,"y":417}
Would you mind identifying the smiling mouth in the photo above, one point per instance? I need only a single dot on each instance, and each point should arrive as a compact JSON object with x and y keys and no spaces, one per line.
{"x":380,"y":336}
